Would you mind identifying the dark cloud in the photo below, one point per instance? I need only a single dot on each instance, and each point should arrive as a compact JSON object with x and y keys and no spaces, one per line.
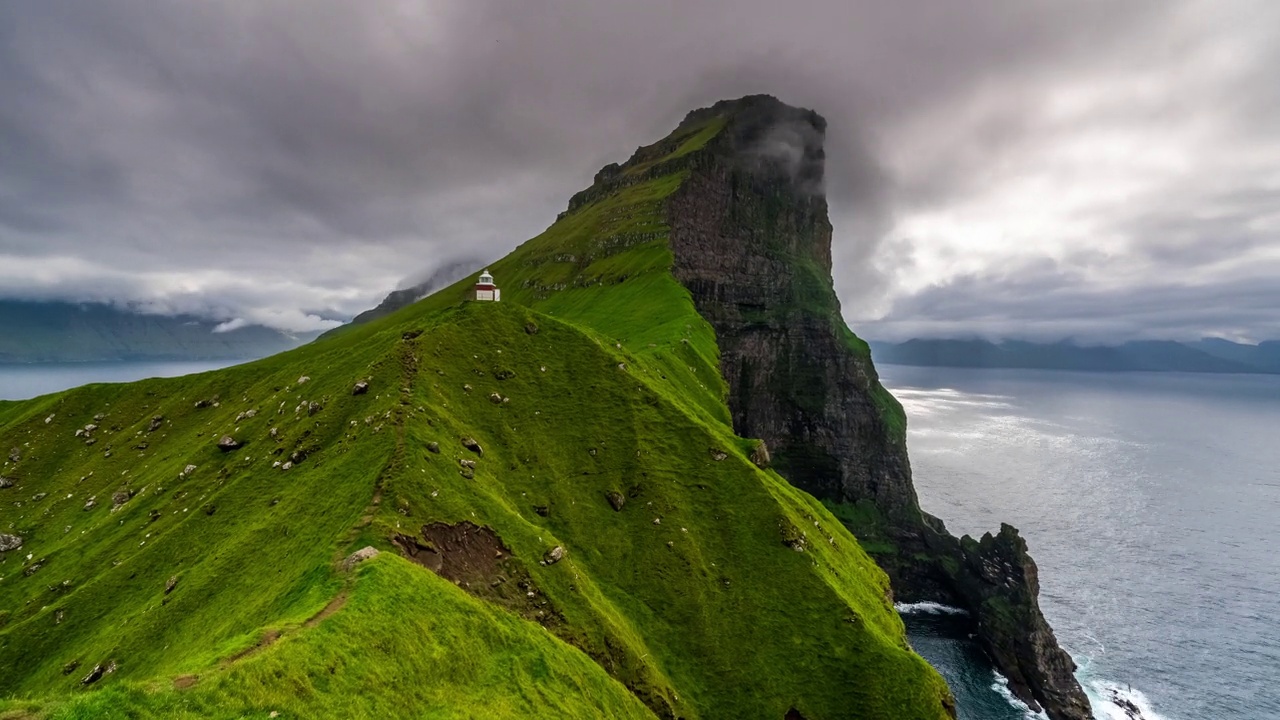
{"x":288,"y":162}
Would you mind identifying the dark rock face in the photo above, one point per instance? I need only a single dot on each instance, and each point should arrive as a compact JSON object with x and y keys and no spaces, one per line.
{"x":752,"y":242}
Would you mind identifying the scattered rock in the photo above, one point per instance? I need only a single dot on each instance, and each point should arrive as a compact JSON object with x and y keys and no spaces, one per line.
{"x":287,"y":466}
{"x":49,"y":419}
{"x":467,"y":463}
{"x":274,"y":433}
{"x":118,"y":498}
{"x":15,"y":455}
{"x":471,"y":444}
{"x":303,"y":380}
{"x":657,"y":521}
{"x":554,"y":555}
{"x":201,"y":404}
{"x":186,"y":471}
{"x":542,"y":510}
{"x":33,"y":568}
{"x":792,"y":536}
{"x":210,"y":509}
{"x":70,"y":667}
{"x":361,"y":388}
{"x":616,"y":499}
{"x":94,"y":675}
{"x":314,"y":407}
{"x":171,"y":584}
{"x":5,"y":482}
{"x":156,"y":423}
{"x":359,"y":556}
{"x":622,"y":366}
{"x":153,"y":515}
{"x":496,"y":399}
{"x":434,"y":447}
{"x":760,"y":455}
{"x":717,"y":454}
{"x":9,"y":542}
{"x":530,"y":328}
{"x":91,"y":503}
{"x":99,"y":417}
{"x":466,"y":388}
{"x":227,"y":443}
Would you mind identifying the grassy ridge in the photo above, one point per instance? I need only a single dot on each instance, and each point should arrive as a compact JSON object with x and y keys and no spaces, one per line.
{"x":596,"y":376}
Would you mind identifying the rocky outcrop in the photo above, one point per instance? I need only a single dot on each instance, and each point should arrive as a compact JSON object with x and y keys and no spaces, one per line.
{"x":751,"y":241}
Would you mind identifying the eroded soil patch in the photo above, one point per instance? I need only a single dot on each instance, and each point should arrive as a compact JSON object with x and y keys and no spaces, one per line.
{"x":475,"y":559}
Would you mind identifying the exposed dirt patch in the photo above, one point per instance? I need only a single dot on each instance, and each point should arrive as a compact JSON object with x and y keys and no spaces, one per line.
{"x":182,"y":682}
{"x":267,"y":639}
{"x":475,"y":559}
{"x":334,"y":606}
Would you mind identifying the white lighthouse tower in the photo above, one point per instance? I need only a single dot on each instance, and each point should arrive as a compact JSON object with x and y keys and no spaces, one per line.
{"x":486,"y":291}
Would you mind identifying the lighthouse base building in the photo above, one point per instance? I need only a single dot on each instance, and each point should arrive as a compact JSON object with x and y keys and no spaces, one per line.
{"x":486,"y":291}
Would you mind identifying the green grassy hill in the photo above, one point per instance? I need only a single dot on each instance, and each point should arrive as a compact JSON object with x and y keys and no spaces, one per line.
{"x":568,"y":526}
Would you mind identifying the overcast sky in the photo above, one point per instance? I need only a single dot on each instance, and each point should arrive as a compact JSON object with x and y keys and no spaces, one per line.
{"x":1104,"y":170}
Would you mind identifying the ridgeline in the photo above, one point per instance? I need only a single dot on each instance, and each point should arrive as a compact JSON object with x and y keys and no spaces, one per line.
{"x":593,"y":499}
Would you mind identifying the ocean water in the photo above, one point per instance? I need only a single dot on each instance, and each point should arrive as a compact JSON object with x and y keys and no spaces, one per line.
{"x":1151,"y":503}
{"x":19,"y":382}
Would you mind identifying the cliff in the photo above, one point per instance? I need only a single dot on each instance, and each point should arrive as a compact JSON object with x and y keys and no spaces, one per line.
{"x":751,"y":240}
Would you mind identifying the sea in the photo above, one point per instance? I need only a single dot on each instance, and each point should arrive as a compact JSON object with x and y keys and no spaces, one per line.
{"x":1151,"y":504}
{"x":23,"y":381}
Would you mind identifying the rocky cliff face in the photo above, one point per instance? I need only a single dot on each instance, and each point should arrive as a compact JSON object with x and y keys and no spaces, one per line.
{"x":751,"y":241}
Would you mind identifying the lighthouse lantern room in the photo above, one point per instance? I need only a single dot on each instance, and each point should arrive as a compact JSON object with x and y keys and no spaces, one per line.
{"x":486,"y":291}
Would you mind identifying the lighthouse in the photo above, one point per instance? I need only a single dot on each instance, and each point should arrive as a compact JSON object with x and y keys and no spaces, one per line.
{"x":486,"y":291}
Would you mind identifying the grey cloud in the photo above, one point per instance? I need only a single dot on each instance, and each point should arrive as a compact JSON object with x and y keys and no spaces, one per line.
{"x":296,"y":160}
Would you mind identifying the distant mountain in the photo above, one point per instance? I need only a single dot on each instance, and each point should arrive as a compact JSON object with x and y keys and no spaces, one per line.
{"x":32,"y":332}
{"x":443,"y":277}
{"x":1211,"y":355}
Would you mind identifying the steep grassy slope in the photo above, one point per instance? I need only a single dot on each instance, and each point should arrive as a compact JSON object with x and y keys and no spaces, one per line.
{"x":585,"y":413}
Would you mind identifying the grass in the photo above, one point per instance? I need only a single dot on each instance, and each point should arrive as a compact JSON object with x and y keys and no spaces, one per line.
{"x":595,"y":375}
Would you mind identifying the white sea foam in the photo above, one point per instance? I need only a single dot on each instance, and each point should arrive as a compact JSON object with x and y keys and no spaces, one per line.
{"x":1001,"y":686}
{"x":1114,"y":701}
{"x":927,"y":608}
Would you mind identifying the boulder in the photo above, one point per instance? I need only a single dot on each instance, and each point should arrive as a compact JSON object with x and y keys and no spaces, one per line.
{"x":120,"y":497}
{"x":361,"y":388}
{"x":471,"y":444}
{"x":227,"y":443}
{"x":94,"y":675}
{"x":760,"y":455}
{"x":171,"y":584}
{"x":5,"y":482}
{"x":15,"y":455}
{"x":359,"y":556}
{"x":186,"y":471}
{"x":717,"y":454}
{"x":616,"y":499}
{"x":434,"y":447}
{"x":156,"y":423}
{"x":9,"y":542}
{"x":467,"y":463}
{"x":554,"y":555}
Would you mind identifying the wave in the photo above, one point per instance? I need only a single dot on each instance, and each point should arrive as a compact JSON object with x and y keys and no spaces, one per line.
{"x":1001,"y":687}
{"x":928,"y":608}
{"x":1116,"y":701}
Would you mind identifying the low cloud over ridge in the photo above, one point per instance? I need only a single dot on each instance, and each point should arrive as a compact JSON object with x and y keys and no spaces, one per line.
{"x":1004,"y":167}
